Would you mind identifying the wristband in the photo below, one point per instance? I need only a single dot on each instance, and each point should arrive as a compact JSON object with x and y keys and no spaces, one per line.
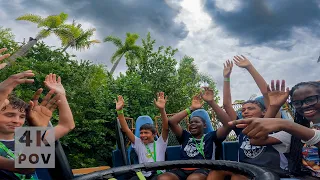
{"x":227,"y":79}
{"x":314,"y":140}
{"x":119,"y":111}
{"x":188,"y":111}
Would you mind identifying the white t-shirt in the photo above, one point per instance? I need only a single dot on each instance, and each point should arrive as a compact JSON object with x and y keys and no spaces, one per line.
{"x":283,"y":147}
{"x":285,"y":138}
{"x":142,"y":152}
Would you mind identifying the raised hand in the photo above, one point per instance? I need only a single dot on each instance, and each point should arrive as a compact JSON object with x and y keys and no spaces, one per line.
{"x":278,"y":95}
{"x":242,"y":61}
{"x":40,"y":114}
{"x":196,"y":102}
{"x":2,"y":65}
{"x":9,"y":84}
{"x":161,"y":101}
{"x":227,"y":68}
{"x":54,"y":83}
{"x":120,"y":103}
{"x":208,"y":94}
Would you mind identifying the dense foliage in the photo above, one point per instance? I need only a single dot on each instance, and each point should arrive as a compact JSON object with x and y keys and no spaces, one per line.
{"x":91,"y":91}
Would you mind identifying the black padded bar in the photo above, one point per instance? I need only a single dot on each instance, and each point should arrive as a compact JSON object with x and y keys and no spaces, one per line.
{"x":241,"y":168}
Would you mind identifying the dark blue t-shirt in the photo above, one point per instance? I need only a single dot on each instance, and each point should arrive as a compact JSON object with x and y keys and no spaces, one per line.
{"x":189,"y":149}
{"x":263,"y":156}
{"x":3,"y":173}
{"x":8,"y":175}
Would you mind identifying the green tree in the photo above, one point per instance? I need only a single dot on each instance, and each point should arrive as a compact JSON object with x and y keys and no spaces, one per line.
{"x":50,"y":24}
{"x":91,"y":92}
{"x":128,"y":47}
{"x":7,"y":40}
{"x":79,"y":39}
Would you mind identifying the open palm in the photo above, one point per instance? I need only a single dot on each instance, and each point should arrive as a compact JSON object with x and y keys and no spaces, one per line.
{"x":196,"y":102}
{"x":227,"y":68}
{"x":40,"y":114}
{"x":278,"y":95}
{"x":119,"y":103}
{"x":208,"y":94}
{"x":161,"y":102}
{"x":242,"y":61}
{"x":54,"y":83}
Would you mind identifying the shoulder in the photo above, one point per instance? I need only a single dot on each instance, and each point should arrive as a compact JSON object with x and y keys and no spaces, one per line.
{"x":184,"y":136}
{"x":160,"y":141}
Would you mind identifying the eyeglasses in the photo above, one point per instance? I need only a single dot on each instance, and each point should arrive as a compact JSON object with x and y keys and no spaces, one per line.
{"x":311,"y":100}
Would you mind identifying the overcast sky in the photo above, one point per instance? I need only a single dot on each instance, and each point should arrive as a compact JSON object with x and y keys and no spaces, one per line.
{"x":281,"y":38}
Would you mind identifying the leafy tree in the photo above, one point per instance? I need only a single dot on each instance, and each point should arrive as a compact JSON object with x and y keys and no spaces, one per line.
{"x":51,"y":24}
{"x":91,"y":92}
{"x":128,"y":47}
{"x":79,"y":38}
{"x":7,"y":40}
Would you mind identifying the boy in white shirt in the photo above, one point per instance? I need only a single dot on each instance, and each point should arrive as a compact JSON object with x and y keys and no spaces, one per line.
{"x":147,"y":149}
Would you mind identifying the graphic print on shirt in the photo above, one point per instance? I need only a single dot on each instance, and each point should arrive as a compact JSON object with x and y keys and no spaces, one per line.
{"x":191,"y":148}
{"x":249,"y":150}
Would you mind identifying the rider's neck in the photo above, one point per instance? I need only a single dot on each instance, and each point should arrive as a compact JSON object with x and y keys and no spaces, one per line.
{"x":6,"y":136}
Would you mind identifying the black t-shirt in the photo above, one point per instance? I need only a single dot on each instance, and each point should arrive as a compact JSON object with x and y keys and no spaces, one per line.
{"x":263,"y":156}
{"x":189,"y":149}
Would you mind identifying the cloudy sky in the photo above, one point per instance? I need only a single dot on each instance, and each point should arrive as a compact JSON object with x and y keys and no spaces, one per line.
{"x":281,"y":38}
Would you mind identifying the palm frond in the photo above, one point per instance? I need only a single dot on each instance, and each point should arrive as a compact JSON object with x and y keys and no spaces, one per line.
{"x":86,"y":45}
{"x":115,"y":40}
{"x":131,"y":39}
{"x":44,"y":33}
{"x":63,"y":16}
{"x":64,"y":35}
{"x":31,"y":18}
{"x":116,"y":55}
{"x":54,"y":21}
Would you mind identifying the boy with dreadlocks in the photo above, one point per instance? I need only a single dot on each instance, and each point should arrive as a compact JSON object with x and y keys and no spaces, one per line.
{"x":257,"y":151}
{"x":305,"y":142}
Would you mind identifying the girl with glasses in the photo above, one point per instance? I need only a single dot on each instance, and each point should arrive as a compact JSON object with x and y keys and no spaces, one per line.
{"x":305,"y":142}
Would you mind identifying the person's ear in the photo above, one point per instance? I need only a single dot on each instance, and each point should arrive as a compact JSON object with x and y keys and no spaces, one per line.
{"x":204,"y":125}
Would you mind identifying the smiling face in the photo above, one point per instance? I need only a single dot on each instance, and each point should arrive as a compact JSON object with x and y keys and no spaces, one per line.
{"x":146,"y":136}
{"x":310,"y":108}
{"x":196,"y":126}
{"x":11,"y":118}
{"x":251,"y":110}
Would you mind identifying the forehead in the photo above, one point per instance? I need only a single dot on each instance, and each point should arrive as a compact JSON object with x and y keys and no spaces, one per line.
{"x":146,"y":130}
{"x":195,"y":118}
{"x":250,"y":105}
{"x":10,"y":109}
{"x":304,"y":91}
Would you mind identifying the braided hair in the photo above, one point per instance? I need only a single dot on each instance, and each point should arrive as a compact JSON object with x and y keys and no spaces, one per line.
{"x":295,"y":155}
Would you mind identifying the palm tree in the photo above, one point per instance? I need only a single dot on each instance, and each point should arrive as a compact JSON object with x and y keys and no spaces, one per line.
{"x":50,"y":24}
{"x":128,"y":47}
{"x":79,"y":39}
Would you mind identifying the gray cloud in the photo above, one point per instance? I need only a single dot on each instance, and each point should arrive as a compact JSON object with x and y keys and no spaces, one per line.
{"x":262,"y":22}
{"x":120,"y":16}
{"x":109,"y":17}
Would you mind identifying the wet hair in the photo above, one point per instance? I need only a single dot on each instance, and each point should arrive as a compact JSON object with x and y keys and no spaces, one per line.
{"x":255,"y":102}
{"x":17,"y":103}
{"x":148,"y":127}
{"x":295,"y":154}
